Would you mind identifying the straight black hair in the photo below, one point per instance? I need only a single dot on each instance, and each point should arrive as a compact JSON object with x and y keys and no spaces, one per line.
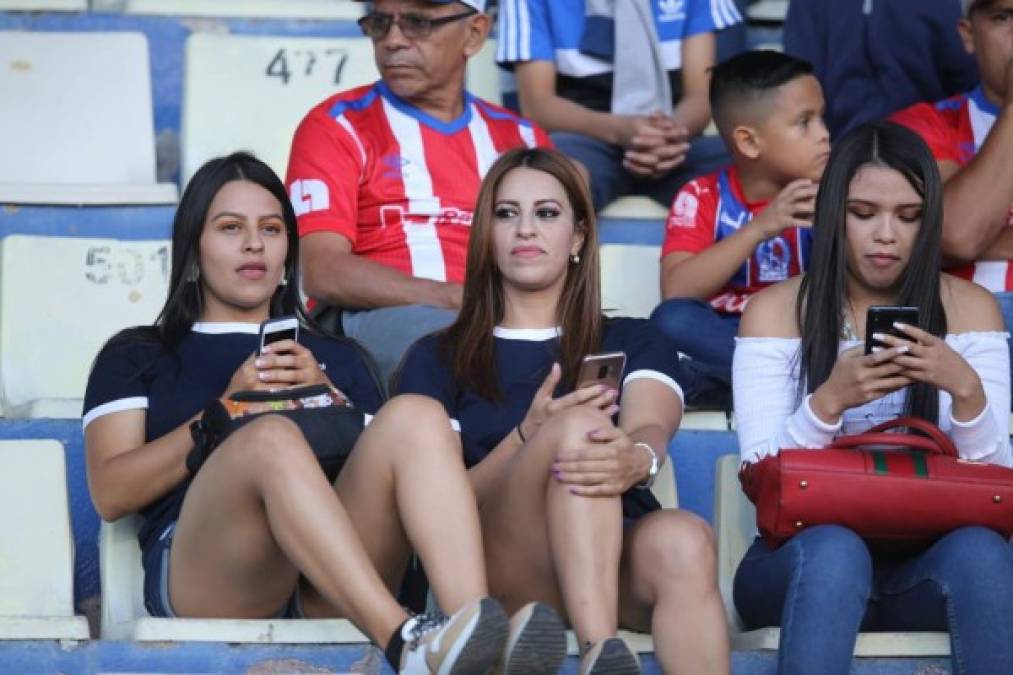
{"x":823,"y":290}
{"x":739,"y":82}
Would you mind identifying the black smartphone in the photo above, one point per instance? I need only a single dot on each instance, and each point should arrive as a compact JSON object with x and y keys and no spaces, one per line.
{"x":277,"y":329}
{"x":881,"y":318}
{"x":604,"y":368}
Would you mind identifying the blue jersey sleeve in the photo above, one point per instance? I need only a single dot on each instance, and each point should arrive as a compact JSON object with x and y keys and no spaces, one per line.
{"x":119,"y":378}
{"x":649,"y":352}
{"x":524,"y":31}
{"x":707,"y":16}
{"x":425,"y":372}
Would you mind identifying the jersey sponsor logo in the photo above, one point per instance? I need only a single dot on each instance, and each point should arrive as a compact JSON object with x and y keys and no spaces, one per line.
{"x":684,"y":210}
{"x":309,"y":194}
{"x":671,"y":10}
{"x":394,"y":214}
{"x":730,"y":302}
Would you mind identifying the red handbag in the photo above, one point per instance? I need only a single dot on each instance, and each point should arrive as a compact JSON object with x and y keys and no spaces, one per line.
{"x":885,"y":486}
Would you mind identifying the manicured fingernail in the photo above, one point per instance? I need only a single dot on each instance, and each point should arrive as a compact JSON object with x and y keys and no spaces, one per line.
{"x":898,"y":324}
{"x":878,"y":336}
{"x":903,"y":349}
{"x":573,"y":491}
{"x":259,"y":363}
{"x":261,"y":376}
{"x":877,"y":349}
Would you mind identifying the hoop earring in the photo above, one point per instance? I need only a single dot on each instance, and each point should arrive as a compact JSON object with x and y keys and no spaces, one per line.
{"x":283,"y":282}
{"x":575,"y":258}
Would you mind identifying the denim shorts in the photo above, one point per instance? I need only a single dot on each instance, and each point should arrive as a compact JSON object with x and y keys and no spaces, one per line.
{"x":155,"y":561}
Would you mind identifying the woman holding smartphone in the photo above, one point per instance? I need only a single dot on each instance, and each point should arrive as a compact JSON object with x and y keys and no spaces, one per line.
{"x":566,"y":515}
{"x":259,"y":531}
{"x":801,"y":377}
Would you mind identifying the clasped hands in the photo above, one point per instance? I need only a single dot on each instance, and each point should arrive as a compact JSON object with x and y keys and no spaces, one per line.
{"x":654,"y":144}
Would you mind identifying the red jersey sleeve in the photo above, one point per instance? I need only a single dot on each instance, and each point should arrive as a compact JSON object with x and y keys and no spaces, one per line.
{"x":927,"y":122}
{"x":325,"y":169}
{"x":690,"y":223}
{"x":541,"y":137}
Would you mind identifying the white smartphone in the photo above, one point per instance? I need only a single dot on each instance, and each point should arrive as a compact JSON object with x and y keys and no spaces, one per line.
{"x":278,"y":328}
{"x":605,"y":368}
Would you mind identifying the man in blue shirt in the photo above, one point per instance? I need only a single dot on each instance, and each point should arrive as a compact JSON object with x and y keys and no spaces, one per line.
{"x":567,"y":71}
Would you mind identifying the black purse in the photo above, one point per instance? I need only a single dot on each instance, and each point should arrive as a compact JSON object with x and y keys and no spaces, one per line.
{"x":325,"y":416}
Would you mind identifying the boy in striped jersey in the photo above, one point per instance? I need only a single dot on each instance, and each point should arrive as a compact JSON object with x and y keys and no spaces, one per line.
{"x":384,"y":177}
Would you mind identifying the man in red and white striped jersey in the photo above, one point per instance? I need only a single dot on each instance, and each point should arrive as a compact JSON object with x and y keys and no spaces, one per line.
{"x":384,"y":177}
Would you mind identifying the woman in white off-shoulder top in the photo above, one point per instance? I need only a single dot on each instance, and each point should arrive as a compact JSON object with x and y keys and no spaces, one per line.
{"x":800,"y":378}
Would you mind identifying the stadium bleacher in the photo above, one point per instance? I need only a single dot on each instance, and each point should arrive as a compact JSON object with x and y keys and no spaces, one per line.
{"x":84,"y":252}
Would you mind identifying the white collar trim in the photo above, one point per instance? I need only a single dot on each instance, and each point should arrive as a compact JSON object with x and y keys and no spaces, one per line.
{"x":531,"y":334}
{"x":223,"y":327}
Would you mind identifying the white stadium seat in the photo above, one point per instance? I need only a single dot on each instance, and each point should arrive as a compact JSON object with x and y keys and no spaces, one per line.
{"x":630,"y":279}
{"x":244,"y":92}
{"x":260,"y":9}
{"x":76,"y":125}
{"x":36,"y":548}
{"x":483,"y":78}
{"x":634,"y":207}
{"x":125,"y":618}
{"x":54,"y":317}
{"x":43,"y":5}
{"x":735,"y":526}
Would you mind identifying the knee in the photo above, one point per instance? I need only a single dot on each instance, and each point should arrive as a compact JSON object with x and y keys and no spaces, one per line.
{"x":675,"y":317}
{"x":270,"y":445}
{"x":410,"y":420}
{"x":977,"y":558}
{"x":837,"y":557}
{"x":570,"y":426}
{"x":680,"y":549}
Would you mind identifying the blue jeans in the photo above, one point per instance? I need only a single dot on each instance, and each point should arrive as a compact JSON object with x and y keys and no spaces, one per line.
{"x":823,"y":584}
{"x":707,"y":337}
{"x":610,"y":180}
{"x":388,"y":332}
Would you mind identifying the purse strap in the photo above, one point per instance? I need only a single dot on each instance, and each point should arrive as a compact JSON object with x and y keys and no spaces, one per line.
{"x":936,"y":442}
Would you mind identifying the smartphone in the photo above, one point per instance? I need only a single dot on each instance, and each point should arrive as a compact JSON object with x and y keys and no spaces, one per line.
{"x":278,"y":328}
{"x":605,"y":368}
{"x":881,"y":318}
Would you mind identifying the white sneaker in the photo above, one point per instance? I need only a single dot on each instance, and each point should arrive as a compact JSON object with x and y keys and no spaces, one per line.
{"x":611,"y":656}
{"x":469,"y":642}
{"x":537,"y":642}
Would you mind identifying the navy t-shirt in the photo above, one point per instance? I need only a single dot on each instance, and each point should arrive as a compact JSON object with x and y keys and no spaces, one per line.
{"x":523,"y":360}
{"x":172,"y":387}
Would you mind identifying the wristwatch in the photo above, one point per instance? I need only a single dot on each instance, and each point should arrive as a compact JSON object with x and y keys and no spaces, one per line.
{"x":652,"y":473}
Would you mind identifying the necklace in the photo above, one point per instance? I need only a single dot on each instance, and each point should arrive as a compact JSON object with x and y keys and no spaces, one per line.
{"x":847,"y":329}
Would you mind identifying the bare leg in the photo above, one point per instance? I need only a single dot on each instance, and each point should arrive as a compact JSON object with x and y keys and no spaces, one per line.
{"x":259,"y":512}
{"x":406,"y":482}
{"x":669,"y":587}
{"x":544,"y":543}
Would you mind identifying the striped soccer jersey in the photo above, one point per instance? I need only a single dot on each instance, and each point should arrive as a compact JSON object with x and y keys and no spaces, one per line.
{"x":713,"y":207}
{"x":955,"y":129}
{"x":399,"y":184}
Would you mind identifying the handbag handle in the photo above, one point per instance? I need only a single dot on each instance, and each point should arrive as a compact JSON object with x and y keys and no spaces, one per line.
{"x":937,"y":442}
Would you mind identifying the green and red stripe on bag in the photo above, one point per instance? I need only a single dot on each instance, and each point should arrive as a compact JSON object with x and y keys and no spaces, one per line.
{"x":884,"y":485}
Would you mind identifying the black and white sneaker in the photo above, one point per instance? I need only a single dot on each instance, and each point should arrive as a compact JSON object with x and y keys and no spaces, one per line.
{"x":611,"y":656}
{"x":537,"y":642}
{"x":466,"y":643}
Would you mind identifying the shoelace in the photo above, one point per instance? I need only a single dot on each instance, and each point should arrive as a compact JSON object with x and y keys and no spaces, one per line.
{"x":425,"y":624}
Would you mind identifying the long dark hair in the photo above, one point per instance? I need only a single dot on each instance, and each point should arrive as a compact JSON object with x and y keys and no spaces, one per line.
{"x":823,"y":290}
{"x":468,"y":343}
{"x":183,"y":305}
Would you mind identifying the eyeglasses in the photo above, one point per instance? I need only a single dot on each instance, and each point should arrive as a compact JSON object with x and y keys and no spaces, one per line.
{"x":376,"y":25}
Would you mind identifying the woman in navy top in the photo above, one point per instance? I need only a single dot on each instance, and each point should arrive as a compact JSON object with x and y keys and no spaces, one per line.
{"x":566,"y":515}
{"x":235,"y":539}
